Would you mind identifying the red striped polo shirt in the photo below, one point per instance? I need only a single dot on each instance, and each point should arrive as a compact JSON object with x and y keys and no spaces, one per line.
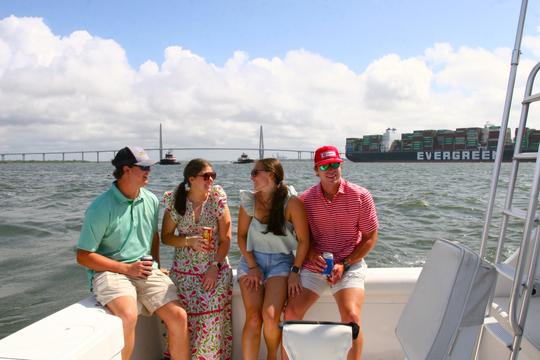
{"x":336,"y":226}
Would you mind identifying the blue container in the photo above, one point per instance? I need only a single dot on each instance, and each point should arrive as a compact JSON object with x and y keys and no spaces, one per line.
{"x":329,"y":258}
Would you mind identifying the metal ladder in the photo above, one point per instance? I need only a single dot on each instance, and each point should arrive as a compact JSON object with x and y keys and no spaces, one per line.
{"x":524,"y":284}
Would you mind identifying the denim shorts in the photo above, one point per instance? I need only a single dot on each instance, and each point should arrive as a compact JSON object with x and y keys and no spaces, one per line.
{"x":270,"y":264}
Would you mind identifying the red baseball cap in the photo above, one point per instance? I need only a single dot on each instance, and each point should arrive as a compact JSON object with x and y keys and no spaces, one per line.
{"x":327,"y":154}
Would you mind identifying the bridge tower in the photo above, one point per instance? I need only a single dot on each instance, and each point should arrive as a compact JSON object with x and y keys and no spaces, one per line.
{"x":261,"y":143}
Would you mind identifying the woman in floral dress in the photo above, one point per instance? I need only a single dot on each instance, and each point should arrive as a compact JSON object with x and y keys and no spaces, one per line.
{"x":200,"y":269}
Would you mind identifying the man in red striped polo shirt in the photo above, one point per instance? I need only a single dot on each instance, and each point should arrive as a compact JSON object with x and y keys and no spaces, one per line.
{"x":343,"y":221}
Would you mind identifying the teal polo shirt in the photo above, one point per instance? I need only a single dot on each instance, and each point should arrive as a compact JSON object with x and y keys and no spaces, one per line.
{"x":119,"y":228}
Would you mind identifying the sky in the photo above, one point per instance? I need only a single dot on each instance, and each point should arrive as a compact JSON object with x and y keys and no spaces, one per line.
{"x":97,"y":75}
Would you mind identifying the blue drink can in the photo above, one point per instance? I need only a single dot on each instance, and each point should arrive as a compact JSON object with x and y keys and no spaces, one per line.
{"x":329,"y":258}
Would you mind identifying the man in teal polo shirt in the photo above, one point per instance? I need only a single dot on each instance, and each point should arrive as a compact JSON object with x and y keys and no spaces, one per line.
{"x":121,"y":226}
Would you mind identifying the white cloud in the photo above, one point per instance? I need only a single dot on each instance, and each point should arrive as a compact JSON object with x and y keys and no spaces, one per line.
{"x":79,"y":92}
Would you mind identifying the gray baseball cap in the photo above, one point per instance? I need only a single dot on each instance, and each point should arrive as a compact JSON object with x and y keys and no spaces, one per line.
{"x":132,"y":155}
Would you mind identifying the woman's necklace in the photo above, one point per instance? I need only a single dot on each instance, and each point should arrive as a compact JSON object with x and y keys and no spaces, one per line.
{"x":197,"y":206}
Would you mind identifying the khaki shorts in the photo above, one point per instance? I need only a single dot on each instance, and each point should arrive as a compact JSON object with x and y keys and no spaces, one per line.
{"x":353,"y":278}
{"x":151,"y":293}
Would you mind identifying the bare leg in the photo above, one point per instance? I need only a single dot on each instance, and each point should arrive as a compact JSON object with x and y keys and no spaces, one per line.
{"x":297,"y":307}
{"x":251,"y":334}
{"x":125,"y":307}
{"x":274,"y":298}
{"x":349,"y":302}
{"x":175,"y":318}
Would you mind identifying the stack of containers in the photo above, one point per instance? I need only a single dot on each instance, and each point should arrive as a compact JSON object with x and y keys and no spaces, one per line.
{"x":374,"y":142}
{"x":472,"y":138}
{"x":353,"y":145}
{"x":418,"y":140}
{"x":459,"y":139}
{"x":406,"y":142}
{"x":396,"y":146}
{"x":533,"y":139}
{"x":493,"y":137}
{"x":429,"y":139}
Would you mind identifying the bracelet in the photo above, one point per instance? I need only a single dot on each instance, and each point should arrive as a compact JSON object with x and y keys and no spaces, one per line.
{"x":252,"y":267}
{"x":187,"y":245}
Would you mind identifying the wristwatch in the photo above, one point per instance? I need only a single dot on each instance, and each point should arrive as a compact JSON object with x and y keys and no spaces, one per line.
{"x":295,"y":269}
{"x":346,"y":265}
{"x":217,"y":263}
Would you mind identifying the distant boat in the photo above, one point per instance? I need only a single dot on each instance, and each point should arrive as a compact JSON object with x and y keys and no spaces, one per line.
{"x":169,"y":159}
{"x":244,"y":159}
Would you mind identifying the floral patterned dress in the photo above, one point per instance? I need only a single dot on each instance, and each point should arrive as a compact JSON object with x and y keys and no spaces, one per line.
{"x":209,"y":313}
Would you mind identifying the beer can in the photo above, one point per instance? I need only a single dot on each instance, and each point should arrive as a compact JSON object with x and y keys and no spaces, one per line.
{"x":207,"y":235}
{"x":329,"y":258}
{"x":147,"y":258}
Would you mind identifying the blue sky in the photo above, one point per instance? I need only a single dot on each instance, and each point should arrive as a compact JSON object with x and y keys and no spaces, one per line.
{"x":310,"y":72}
{"x":351,"y":32}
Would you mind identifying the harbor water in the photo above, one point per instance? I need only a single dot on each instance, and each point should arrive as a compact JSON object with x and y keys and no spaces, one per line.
{"x":42,"y":206}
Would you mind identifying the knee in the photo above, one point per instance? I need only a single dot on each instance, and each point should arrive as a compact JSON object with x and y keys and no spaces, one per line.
{"x":128,"y":316}
{"x":292,"y":313}
{"x":270,"y":316}
{"x":176,"y":317}
{"x":352,"y":316}
{"x":254,"y":320}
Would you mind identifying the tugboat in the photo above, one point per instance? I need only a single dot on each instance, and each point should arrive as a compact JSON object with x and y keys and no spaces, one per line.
{"x":169,"y":159}
{"x":244,"y":159}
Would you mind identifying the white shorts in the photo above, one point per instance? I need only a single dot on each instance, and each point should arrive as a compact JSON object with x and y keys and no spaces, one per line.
{"x":353,"y":278}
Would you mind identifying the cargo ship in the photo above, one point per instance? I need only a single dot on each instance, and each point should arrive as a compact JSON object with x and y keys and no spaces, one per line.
{"x":473,"y":144}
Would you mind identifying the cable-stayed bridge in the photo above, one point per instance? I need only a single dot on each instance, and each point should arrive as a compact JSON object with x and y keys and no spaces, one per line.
{"x":107,"y":155}
{"x":155,"y":153}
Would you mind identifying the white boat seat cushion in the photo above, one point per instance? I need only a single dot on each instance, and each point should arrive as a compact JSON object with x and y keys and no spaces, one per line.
{"x":309,"y":340}
{"x":444,"y":314}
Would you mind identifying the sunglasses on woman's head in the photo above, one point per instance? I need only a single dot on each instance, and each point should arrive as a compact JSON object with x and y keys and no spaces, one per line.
{"x":256,"y":172}
{"x":208,"y":175}
{"x":325,"y":167}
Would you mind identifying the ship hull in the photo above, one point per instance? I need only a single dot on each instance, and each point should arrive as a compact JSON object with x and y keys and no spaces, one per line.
{"x":429,"y":156}
{"x":168,"y":162}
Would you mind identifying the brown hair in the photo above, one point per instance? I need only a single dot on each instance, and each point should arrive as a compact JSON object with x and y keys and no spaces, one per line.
{"x":276,"y":218}
{"x":192,"y":169}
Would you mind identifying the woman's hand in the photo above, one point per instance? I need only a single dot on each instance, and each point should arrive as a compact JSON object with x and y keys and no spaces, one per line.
{"x":253,"y":279}
{"x":294,"y":284}
{"x":197,"y":243}
{"x":210,"y":278}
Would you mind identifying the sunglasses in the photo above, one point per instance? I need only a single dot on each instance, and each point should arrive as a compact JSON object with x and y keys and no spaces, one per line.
{"x":256,"y":172}
{"x":325,"y":167}
{"x":207,"y":176}
{"x":143,"y":168}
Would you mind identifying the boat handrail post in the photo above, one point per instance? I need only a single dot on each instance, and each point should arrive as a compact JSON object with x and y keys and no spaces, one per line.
{"x":504,"y":126}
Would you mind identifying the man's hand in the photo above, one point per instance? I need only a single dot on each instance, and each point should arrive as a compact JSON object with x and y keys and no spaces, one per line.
{"x":336,"y":275}
{"x":140,"y":269}
{"x":318,"y":261}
